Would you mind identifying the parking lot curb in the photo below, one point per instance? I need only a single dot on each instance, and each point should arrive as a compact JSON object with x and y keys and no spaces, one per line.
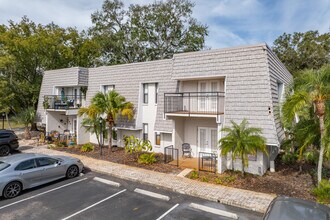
{"x":214,"y":211}
{"x":109,"y":182}
{"x":152,"y":194}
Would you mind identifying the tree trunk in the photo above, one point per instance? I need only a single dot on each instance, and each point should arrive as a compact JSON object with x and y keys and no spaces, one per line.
{"x":7,"y":119}
{"x":34,"y":127}
{"x":319,"y":165}
{"x":320,"y":112}
{"x":110,"y":138}
{"x":27,"y":135}
{"x":243,"y":172}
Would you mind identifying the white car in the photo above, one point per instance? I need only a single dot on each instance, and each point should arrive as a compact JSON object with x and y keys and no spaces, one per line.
{"x":23,"y":171}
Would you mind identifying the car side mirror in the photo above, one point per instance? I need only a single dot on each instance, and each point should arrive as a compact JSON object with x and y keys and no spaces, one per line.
{"x":58,"y":163}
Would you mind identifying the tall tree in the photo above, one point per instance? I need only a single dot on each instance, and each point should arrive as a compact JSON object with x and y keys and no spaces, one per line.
{"x":299,"y":51}
{"x":311,"y":91}
{"x":146,"y":32}
{"x":27,"y":49}
{"x":113,"y":105}
{"x":242,"y":140}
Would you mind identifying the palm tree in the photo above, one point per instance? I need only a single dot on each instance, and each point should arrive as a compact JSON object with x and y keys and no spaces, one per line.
{"x":92,"y":121}
{"x":311,"y":90}
{"x":26,"y":117}
{"x":242,"y":140}
{"x":113,"y":105}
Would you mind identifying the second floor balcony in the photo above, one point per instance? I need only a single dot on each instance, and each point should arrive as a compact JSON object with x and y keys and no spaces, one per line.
{"x":194,"y":103}
{"x":62,"y":102}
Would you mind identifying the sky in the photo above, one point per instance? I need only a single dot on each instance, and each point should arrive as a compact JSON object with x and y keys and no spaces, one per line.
{"x":230,"y":22}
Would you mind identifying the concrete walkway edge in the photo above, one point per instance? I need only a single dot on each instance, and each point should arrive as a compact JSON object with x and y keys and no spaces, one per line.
{"x":246,"y":199}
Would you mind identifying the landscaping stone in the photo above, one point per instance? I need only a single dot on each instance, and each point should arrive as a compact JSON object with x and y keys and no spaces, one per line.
{"x":236,"y":197}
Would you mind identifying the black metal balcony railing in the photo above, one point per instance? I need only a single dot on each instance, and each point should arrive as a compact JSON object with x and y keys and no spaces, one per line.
{"x":210,"y":103}
{"x":62,"y":102}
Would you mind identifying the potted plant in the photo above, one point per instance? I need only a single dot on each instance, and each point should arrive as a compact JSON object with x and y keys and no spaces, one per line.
{"x":45,"y":103}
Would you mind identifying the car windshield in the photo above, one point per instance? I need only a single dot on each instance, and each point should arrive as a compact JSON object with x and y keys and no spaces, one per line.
{"x":3,"y":165}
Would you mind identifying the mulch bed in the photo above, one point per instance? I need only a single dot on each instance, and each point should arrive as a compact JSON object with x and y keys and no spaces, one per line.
{"x":288,"y":180}
{"x":118,"y":155}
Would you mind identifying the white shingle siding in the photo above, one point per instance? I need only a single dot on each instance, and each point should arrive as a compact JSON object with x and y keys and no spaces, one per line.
{"x":247,"y":82}
{"x":277,"y":73}
{"x":59,"y":77}
{"x":251,"y":74}
{"x":127,"y":80}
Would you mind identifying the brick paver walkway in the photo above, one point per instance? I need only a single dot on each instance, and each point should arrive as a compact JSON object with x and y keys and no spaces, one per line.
{"x":227,"y":195}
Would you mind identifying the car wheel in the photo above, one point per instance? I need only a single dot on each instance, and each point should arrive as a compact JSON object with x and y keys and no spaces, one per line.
{"x":72,"y":172}
{"x":12,"y":190}
{"x":4,"y":150}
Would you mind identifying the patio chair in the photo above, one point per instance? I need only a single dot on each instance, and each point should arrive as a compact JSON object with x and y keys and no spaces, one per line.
{"x":186,"y":149}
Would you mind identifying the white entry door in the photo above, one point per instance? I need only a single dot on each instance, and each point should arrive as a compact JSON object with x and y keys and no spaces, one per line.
{"x":207,"y":140}
{"x":207,"y":100}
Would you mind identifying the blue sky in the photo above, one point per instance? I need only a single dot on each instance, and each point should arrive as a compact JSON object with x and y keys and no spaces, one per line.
{"x":230,"y":22}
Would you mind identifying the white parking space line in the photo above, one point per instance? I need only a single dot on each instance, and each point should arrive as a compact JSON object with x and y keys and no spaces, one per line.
{"x":109,"y":182}
{"x":14,"y":203}
{"x":168,"y":211}
{"x":152,"y":194}
{"x":214,"y":211}
{"x":91,"y":206}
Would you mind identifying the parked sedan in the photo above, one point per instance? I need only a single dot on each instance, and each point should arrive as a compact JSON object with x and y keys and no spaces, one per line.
{"x":287,"y":208}
{"x":8,"y":142}
{"x":24,"y":171}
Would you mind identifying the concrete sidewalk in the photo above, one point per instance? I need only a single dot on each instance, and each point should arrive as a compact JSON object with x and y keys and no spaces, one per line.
{"x":227,"y":195}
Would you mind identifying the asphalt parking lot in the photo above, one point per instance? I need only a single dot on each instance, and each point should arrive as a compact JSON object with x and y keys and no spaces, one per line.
{"x":97,"y":196}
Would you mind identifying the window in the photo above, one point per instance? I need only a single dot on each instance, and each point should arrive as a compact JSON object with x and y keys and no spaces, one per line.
{"x":156,"y":92}
{"x":145,"y":131}
{"x":3,"y":165}
{"x":157,"y":141}
{"x":145,"y":93}
{"x":46,"y":161}
{"x":4,"y":135}
{"x":26,"y":165}
{"x":107,"y":88}
{"x":280,"y":91}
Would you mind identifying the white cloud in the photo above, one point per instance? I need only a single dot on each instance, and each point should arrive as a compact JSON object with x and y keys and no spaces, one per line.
{"x":236,"y":8}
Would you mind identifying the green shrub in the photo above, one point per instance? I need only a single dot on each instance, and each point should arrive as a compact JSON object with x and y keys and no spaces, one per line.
{"x":289,"y":158}
{"x":87,"y":147}
{"x":322,"y":192}
{"x":225,"y":180}
{"x":61,"y":144}
{"x":205,"y":179}
{"x":135,"y":145}
{"x":194,"y":175}
{"x":147,"y":159}
{"x":311,"y":157}
{"x":218,"y":181}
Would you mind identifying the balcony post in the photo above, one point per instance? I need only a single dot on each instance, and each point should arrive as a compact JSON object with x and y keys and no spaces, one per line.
{"x":164,"y":104}
{"x":217,"y":104}
{"x":189,"y":103}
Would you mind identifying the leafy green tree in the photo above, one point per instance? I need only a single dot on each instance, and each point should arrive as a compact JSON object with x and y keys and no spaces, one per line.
{"x":27,"y":49}
{"x":146,"y":32}
{"x":299,"y":51}
{"x":6,"y":98}
{"x":242,"y":140}
{"x":113,"y":105}
{"x":311,"y":92}
{"x":27,"y":118}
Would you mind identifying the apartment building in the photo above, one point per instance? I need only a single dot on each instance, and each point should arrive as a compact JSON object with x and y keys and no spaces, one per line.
{"x":186,"y":99}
